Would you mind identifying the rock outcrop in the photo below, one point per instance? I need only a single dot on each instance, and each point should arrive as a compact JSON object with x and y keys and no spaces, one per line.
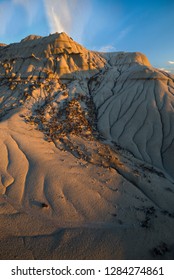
{"x":86,"y":147}
{"x":134,"y":101}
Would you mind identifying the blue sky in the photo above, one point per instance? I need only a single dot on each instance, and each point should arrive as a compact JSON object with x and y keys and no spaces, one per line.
{"x":104,"y":25}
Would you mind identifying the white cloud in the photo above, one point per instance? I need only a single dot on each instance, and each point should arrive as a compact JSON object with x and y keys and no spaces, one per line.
{"x":58,"y":14}
{"x":165,"y":70}
{"x":55,"y":22}
{"x":69,"y":16}
{"x":171,"y":62}
{"x":107,"y":48}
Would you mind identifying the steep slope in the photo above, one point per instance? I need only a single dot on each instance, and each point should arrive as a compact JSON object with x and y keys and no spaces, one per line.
{"x":86,"y":145}
{"x":135,"y":108}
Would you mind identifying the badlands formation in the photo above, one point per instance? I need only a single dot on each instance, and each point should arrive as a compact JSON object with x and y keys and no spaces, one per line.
{"x":86,"y":153}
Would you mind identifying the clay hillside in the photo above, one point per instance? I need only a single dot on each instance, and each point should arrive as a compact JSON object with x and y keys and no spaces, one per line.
{"x":86,"y":153}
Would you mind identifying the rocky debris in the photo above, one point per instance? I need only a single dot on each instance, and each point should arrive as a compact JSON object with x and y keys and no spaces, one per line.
{"x":160,"y":250}
{"x":149,"y":214}
{"x":65,"y":118}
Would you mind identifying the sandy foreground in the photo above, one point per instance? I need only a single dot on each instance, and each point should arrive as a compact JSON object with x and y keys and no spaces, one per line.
{"x":55,"y":206}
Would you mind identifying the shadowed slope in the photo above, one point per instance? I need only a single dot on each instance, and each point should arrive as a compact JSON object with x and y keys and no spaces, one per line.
{"x":135,"y":109}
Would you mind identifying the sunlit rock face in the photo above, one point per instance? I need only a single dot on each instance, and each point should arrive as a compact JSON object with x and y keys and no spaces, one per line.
{"x":56,"y":53}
